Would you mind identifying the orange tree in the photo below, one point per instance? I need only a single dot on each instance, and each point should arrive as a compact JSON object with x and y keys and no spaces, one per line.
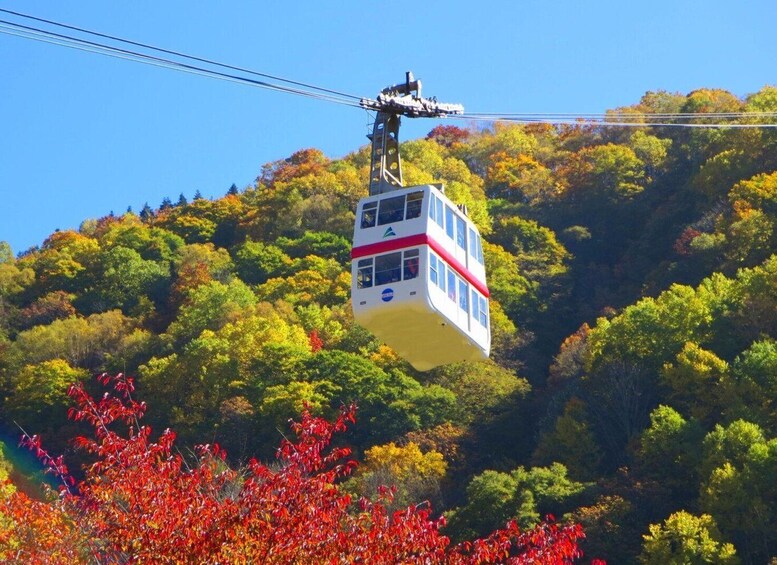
{"x":141,"y":502}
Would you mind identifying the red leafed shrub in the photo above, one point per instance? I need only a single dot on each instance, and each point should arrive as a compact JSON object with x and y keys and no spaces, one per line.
{"x":316,"y":343}
{"x":141,"y":502}
{"x":682,"y":246}
{"x":448,"y":135}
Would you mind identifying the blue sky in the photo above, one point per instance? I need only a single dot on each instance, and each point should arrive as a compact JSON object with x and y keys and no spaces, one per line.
{"x":84,"y":134}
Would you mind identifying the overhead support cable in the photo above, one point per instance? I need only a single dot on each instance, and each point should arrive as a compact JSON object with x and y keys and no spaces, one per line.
{"x":37,"y":34}
{"x":178,"y":54}
{"x":617,"y":121}
{"x":624,"y":115}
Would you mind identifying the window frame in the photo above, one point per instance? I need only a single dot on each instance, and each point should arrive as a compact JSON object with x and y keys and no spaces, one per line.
{"x":451,"y":284}
{"x":408,"y":256}
{"x":395,"y":269}
{"x":473,"y":244}
{"x":461,"y":233}
{"x":450,"y":228}
{"x":463,"y":294}
{"x":483,"y":319}
{"x":369,"y":208}
{"x":365,"y":271}
{"x":391,"y":215}
{"x":411,"y":199}
{"x":439,"y":213}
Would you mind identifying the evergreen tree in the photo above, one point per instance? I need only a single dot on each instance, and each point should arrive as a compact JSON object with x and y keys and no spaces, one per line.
{"x":146,"y":213}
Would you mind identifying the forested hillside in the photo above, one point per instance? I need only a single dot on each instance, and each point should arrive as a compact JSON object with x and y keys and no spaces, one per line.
{"x":633,"y":381}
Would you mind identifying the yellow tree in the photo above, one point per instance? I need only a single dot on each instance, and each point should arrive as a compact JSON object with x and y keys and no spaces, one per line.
{"x":415,"y":475}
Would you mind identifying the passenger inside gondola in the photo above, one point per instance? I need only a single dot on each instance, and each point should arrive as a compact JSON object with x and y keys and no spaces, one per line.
{"x":411,"y":268}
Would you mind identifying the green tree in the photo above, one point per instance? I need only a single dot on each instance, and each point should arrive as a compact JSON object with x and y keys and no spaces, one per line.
{"x":651,"y":150}
{"x":609,"y":173}
{"x":482,"y":390}
{"x":687,"y":539}
{"x":125,"y":279}
{"x":698,"y":383}
{"x":391,"y":401}
{"x":263,"y":206}
{"x":507,"y":285}
{"x":256,"y":261}
{"x":322,"y":244}
{"x":6,"y":255}
{"x":312,"y":279}
{"x":538,"y":254}
{"x":523,"y":495}
{"x":210,"y":306}
{"x":753,"y":384}
{"x":750,"y":234}
{"x":243,"y":357}
{"x":722,"y":170}
{"x":670,"y":451}
{"x":13,"y":278}
{"x":571,"y":442}
{"x":87,"y":343}
{"x":738,"y":488}
{"x":39,"y":394}
{"x":280,"y":401}
{"x":152,"y":243}
{"x":490,"y":500}
{"x":204,"y":220}
{"x":765,"y":100}
{"x":63,"y":262}
{"x":652,"y":331}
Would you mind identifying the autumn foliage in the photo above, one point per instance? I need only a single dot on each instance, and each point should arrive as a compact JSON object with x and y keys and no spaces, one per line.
{"x":141,"y":501}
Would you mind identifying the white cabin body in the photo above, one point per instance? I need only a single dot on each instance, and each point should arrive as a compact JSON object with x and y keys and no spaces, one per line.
{"x":419,"y":280}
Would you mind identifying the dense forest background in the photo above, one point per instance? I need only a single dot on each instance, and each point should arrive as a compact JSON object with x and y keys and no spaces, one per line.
{"x":633,"y":380}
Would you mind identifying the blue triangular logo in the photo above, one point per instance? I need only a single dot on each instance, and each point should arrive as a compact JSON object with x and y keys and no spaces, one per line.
{"x":389,"y":232}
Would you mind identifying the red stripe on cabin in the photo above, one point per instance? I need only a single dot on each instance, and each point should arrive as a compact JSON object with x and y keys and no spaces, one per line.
{"x":414,"y":241}
{"x":389,"y":245}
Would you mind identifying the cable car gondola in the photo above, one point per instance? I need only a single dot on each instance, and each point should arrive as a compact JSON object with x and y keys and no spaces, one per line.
{"x":419,"y":280}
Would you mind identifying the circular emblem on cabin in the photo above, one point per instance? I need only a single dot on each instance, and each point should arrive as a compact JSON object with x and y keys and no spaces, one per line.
{"x":387,"y":295}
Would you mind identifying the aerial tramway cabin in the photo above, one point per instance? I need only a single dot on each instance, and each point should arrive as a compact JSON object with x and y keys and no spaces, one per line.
{"x":419,"y":280}
{"x":418,"y":276}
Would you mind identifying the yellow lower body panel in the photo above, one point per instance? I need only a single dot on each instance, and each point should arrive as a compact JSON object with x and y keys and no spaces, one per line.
{"x":423,"y":337}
